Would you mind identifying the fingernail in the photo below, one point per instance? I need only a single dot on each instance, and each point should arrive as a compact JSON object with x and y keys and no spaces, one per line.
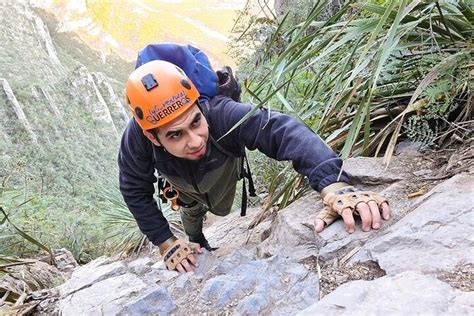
{"x":376,"y":226}
{"x":351,"y":231}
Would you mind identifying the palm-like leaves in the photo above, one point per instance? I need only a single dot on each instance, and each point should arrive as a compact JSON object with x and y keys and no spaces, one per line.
{"x":10,"y":233}
{"x":122,"y":228}
{"x":357,"y":77}
{"x":358,"y":60}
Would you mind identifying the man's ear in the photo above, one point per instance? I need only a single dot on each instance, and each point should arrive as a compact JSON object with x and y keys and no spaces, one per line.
{"x":152,"y":138}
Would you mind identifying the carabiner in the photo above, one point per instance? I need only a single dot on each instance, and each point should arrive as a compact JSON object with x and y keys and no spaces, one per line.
{"x":171,"y":195}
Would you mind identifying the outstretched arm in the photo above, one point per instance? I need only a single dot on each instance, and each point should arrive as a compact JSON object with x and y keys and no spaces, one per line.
{"x":283,"y":138}
{"x":278,"y":136}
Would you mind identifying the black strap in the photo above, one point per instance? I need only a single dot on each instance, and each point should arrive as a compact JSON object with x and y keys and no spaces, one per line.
{"x":252,"y":192}
{"x":243,"y":207}
{"x":246,"y":173}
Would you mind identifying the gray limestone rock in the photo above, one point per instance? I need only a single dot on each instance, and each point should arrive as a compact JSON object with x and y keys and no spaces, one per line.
{"x":89,"y":274}
{"x":407,"y":148}
{"x":408,"y":293}
{"x":292,"y":231}
{"x":157,"y":302}
{"x":263,"y":276}
{"x":335,"y":238}
{"x":436,"y":236}
{"x":372,"y":171}
{"x":238,"y":282}
{"x":231,"y":232}
{"x":106,"y":297}
{"x":141,"y":265}
{"x":273,"y":285}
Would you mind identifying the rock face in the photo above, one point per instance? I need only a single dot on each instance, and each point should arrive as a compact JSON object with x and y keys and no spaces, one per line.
{"x":424,"y":251}
{"x":292,"y":231}
{"x":239,"y":283}
{"x":440,"y":229}
{"x":407,"y":293}
{"x":84,"y":86}
{"x":18,"y":120}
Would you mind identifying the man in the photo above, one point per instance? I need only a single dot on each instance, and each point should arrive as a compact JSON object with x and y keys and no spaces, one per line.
{"x":188,"y":142}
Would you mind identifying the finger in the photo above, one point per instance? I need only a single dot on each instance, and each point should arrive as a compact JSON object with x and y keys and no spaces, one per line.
{"x":195,"y":247}
{"x":348,"y":220}
{"x":385,"y":211}
{"x":186,"y":265}
{"x":365,"y":215}
{"x":193,"y":260}
{"x":318,"y":225}
{"x":375,"y":212}
{"x":180,"y":268}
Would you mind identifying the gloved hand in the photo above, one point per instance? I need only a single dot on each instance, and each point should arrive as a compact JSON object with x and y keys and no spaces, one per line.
{"x":202,"y":241}
{"x":341,"y":199}
{"x":228,"y":84}
{"x":178,"y":254}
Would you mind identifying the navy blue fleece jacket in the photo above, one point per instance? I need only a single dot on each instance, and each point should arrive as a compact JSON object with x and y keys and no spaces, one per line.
{"x":277,"y":135}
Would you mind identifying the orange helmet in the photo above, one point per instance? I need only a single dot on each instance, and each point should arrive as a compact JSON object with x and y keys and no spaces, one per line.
{"x":158,"y":92}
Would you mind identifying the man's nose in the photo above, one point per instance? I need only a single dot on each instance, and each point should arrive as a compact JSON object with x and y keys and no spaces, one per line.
{"x":194,"y":140}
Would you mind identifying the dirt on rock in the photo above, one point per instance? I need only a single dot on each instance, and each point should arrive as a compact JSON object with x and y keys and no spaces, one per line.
{"x":462,"y":278}
{"x":336,"y":272}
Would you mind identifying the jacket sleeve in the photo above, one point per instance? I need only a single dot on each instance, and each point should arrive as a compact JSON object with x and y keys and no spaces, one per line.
{"x":278,"y":136}
{"x":136,"y":177}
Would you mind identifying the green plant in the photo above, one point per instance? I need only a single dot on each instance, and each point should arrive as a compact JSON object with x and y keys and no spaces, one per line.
{"x":358,"y":76}
{"x":11,"y":232}
{"x":122,"y":230}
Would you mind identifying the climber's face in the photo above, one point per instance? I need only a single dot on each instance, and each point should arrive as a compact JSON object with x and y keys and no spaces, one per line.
{"x":185,"y":137}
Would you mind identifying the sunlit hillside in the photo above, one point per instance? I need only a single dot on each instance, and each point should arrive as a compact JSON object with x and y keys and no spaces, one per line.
{"x":125,"y":26}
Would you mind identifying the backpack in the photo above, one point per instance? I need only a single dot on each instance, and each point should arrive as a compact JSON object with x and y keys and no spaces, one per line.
{"x":209,"y":83}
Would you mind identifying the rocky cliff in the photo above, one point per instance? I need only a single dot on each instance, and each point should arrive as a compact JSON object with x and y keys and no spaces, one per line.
{"x":57,"y":98}
{"x":420,"y":261}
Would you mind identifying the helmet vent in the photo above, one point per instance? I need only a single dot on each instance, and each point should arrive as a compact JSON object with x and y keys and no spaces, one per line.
{"x":149,"y":82}
{"x":139,"y":113}
{"x":180,"y":71}
{"x":185,"y":84}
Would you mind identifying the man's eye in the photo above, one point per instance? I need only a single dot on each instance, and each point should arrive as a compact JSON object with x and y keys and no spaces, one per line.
{"x":175,"y":135}
{"x":196,"y":122}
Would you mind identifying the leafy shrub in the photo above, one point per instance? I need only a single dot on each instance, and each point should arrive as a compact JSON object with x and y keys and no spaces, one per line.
{"x":359,"y":76}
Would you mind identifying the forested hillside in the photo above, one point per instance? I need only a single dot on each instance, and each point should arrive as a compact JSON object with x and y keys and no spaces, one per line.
{"x":62,"y":113}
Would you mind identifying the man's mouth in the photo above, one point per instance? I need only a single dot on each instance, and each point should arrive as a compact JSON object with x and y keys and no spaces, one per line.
{"x":199,"y":152}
